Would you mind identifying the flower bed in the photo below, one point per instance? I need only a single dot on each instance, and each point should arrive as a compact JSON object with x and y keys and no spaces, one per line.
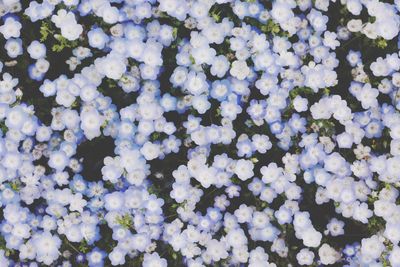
{"x":199,"y":133}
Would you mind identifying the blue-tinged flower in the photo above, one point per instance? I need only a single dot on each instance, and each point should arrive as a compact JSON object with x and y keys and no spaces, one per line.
{"x":110,"y":14}
{"x":149,"y":72}
{"x":91,"y":121}
{"x":179,"y":192}
{"x":154,"y":260}
{"x":345,"y":140}
{"x":172,"y":144}
{"x":47,"y":247}
{"x":354,"y":58}
{"x":219,"y":66}
{"x":34,"y":73}
{"x":143,"y":11}
{"x":96,"y":257}
{"x":230,"y":109}
{"x":36,"y":50}
{"x":168,"y":102}
{"x":117,"y":256}
{"x":196,"y":83}
{"x":317,"y":20}
{"x":110,"y":65}
{"x":10,"y":28}
{"x":297,"y":123}
{"x":394,"y":257}
{"x":244,"y":169}
{"x":300,"y":104}
{"x":58,"y":160}
{"x":154,"y":204}
{"x":245,"y":148}
{"x":97,"y":38}
{"x":14,"y":47}
{"x":114,"y":201}
{"x":151,"y":150}
{"x":201,"y":103}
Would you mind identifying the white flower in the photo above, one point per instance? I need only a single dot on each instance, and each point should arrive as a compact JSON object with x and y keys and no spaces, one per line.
{"x":150,"y":151}
{"x":47,"y":247}
{"x":300,"y":104}
{"x":71,"y":31}
{"x":305,"y":257}
{"x":11,"y":28}
{"x":77,"y":202}
{"x":372,"y":247}
{"x":244,"y":169}
{"x":217,"y":250}
{"x":58,"y":160}
{"x":239,"y":69}
{"x":112,"y":66}
{"x":91,"y":121}
{"x":328,"y":255}
{"x":311,"y":238}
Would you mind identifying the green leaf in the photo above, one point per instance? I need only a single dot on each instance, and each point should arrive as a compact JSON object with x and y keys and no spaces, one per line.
{"x":45,"y":30}
{"x":125,"y":221}
{"x":192,"y":59}
{"x":83,"y":247}
{"x":63,"y":43}
{"x":380,"y":42}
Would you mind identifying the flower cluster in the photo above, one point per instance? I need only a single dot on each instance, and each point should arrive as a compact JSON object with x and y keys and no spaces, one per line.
{"x":199,"y":133}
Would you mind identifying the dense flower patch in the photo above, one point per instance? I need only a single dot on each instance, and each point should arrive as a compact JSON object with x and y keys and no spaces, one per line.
{"x":199,"y":133}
